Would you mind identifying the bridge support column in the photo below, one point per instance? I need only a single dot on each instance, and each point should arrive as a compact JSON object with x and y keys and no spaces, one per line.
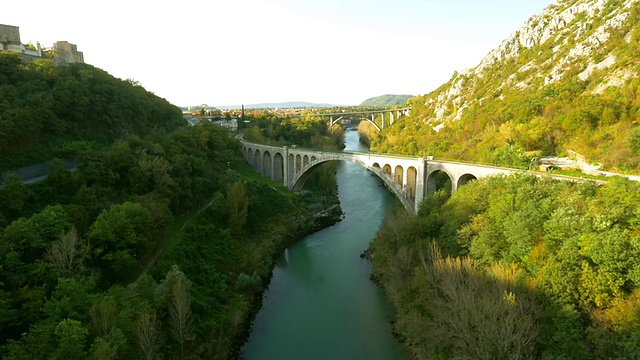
{"x":391,"y":117}
{"x":421,"y":183}
{"x":382,"y":119}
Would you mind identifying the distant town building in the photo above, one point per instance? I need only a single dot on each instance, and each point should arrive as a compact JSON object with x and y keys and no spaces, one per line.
{"x":62,"y":52}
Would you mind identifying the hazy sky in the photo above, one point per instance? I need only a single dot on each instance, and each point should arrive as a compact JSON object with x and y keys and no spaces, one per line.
{"x":249,"y":51}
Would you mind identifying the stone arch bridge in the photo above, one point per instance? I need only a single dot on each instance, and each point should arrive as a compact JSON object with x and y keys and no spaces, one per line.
{"x":387,"y":117}
{"x":410,"y":179}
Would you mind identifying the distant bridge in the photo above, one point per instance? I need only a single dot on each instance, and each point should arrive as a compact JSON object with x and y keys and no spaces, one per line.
{"x":369,"y":115}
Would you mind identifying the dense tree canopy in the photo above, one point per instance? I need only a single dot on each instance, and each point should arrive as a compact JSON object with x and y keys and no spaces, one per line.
{"x":49,"y":110}
{"x":554,"y":264}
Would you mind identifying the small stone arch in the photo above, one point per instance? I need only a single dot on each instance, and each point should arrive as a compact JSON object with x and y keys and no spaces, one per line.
{"x":439,"y":179}
{"x":305,"y":160}
{"x":298,"y":163}
{"x":412,"y":177}
{"x":266,"y":164}
{"x":313,"y":159}
{"x":465,"y":179}
{"x":278,"y":167}
{"x":291,"y":166}
{"x":257,"y":162}
{"x":249,"y":155}
{"x":376,"y":165}
{"x":398,"y":175}
{"x":386,"y":169}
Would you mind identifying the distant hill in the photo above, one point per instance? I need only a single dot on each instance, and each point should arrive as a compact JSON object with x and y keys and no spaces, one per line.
{"x":385,"y":100}
{"x":290,"y":104}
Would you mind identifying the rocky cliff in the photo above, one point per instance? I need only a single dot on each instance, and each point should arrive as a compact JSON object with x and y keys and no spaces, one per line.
{"x":567,"y":80}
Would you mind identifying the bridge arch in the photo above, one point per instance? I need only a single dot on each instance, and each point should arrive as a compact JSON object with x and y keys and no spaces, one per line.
{"x":291,"y":164}
{"x":412,"y":179}
{"x":298,"y":163}
{"x":278,"y":167}
{"x":248,"y":154}
{"x":257,"y":162}
{"x":437,"y":180}
{"x":398,"y":175}
{"x":266,"y":164}
{"x":300,"y":178}
{"x":464,"y":179}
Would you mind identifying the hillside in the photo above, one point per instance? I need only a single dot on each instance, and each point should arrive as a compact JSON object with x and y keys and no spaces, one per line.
{"x":49,"y":111}
{"x":567,"y":80}
{"x":385,"y":100}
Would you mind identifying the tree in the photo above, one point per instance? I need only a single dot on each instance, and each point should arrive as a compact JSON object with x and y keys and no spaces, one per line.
{"x":146,"y":331}
{"x":179,"y":300}
{"x":238,"y":207}
{"x":72,"y":337}
{"x":68,"y":253}
{"x":120,"y":235}
{"x":13,"y":196}
{"x":104,"y":314}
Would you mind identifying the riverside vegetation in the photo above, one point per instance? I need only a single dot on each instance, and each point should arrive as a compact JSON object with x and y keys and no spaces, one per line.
{"x":517,"y":267}
{"x":75,"y":247}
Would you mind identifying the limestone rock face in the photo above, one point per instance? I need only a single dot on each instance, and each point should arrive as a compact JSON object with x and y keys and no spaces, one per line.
{"x":566,"y":39}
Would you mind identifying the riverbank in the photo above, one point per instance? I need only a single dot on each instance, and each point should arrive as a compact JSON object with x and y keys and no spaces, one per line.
{"x":228,"y":271}
{"x":306,"y":224}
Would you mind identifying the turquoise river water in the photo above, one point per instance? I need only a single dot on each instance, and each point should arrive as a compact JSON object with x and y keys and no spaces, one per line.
{"x":320,"y":303}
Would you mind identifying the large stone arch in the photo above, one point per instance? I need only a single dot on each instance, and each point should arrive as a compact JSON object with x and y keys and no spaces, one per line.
{"x":432,"y":181}
{"x":266,"y":164}
{"x":278,"y":167}
{"x":297,"y":183}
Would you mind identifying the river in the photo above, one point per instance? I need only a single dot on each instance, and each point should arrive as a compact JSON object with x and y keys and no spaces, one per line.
{"x":320,"y":303}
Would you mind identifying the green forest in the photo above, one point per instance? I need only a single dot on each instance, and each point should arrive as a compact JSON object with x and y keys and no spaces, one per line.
{"x":56,"y":111}
{"x":160,"y":242}
{"x":517,"y":267}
